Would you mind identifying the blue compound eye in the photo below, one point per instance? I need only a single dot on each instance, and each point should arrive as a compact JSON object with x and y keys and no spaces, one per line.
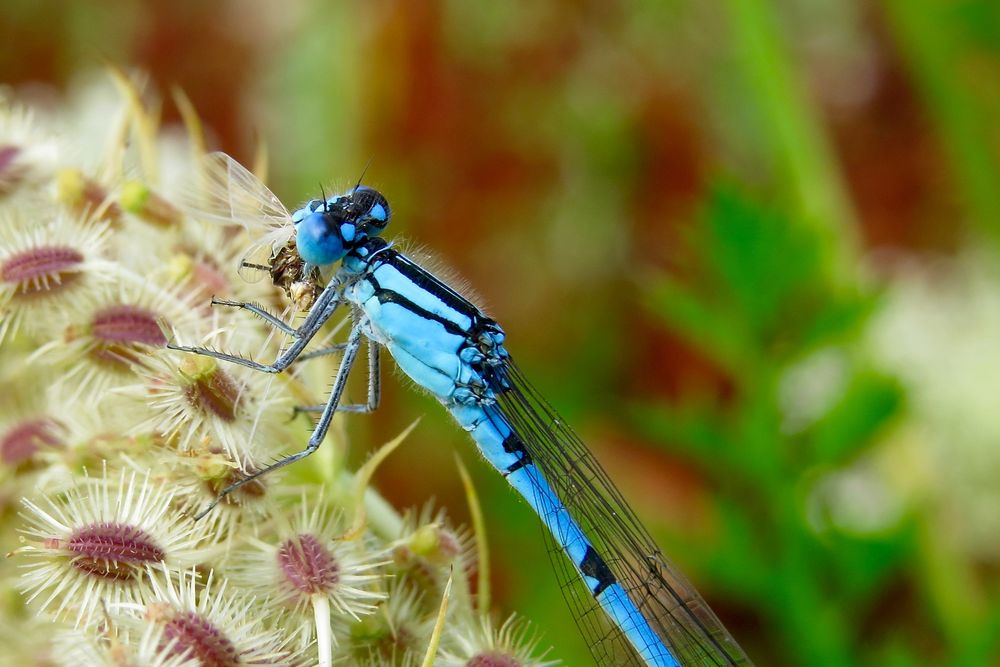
{"x":318,"y":240}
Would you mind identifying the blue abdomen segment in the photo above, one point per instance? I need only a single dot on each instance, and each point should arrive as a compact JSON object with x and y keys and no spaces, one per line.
{"x":506,"y":452}
{"x":623,"y":612}
{"x":453,"y":350}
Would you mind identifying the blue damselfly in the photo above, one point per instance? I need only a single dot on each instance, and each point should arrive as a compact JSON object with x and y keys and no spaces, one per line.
{"x":632,"y":605}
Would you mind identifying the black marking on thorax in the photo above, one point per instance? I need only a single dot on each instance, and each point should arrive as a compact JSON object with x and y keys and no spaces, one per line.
{"x":594,"y":567}
{"x":427,"y":282}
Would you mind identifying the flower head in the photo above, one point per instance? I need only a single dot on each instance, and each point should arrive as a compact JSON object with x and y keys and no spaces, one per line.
{"x":428,"y":545}
{"x":21,"y":441}
{"x":92,"y":544}
{"x":27,"y":156}
{"x":482,"y":645}
{"x":114,"y":648}
{"x":397,"y":634}
{"x":199,"y":477}
{"x":303,"y":561}
{"x":204,"y":405}
{"x":47,"y":265}
{"x":210,"y":622}
{"x":112,"y":334}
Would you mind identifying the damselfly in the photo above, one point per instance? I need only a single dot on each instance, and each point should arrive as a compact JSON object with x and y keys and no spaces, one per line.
{"x":632,"y":605}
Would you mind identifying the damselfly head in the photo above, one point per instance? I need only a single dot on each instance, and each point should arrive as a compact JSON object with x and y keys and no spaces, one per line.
{"x":327,"y":230}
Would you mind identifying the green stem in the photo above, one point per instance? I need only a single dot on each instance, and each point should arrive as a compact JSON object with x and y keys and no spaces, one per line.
{"x":804,"y":157}
{"x":926,"y":36}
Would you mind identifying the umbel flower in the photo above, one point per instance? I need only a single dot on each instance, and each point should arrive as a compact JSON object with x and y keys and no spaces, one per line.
{"x":215,"y":626}
{"x":483,"y":645}
{"x":91,"y":545}
{"x":309,"y":572}
{"x":109,"y":567}
{"x":114,"y":647}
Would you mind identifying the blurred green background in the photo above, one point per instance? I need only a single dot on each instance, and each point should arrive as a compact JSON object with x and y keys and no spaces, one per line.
{"x":748,"y":248}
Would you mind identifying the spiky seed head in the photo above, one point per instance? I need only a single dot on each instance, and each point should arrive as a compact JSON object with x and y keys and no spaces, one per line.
{"x":92,"y":544}
{"x":481,"y":644}
{"x":205,"y":407}
{"x":206,"y":619}
{"x":48,"y":267}
{"x":301,"y":562}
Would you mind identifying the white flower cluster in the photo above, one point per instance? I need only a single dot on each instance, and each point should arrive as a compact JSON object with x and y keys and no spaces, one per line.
{"x":110,"y":443}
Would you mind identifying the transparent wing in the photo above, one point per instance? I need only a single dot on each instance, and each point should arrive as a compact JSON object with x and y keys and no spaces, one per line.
{"x":223,"y":191}
{"x":672,"y":607}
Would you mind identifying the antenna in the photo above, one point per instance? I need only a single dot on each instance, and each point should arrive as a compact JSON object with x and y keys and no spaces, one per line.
{"x":362,"y":176}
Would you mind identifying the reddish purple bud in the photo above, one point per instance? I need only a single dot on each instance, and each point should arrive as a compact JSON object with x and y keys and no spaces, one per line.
{"x":196,"y":637}
{"x":41,"y":269}
{"x":118,"y":329}
{"x":216,"y":392}
{"x":127,"y":324}
{"x":308,"y":565}
{"x":112,"y":550}
{"x":492,"y":659}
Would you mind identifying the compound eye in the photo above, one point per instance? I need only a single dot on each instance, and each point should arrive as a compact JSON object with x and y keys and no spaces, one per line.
{"x":317,"y":238}
{"x":372,"y":207}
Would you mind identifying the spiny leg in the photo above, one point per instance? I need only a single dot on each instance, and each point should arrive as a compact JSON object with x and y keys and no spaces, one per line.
{"x":259,"y":311}
{"x":374,"y":382}
{"x":321,"y":311}
{"x":322,"y":426}
{"x":329,"y":294}
{"x":322,"y":352}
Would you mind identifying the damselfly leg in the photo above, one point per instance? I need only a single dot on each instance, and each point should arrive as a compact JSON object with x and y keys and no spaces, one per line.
{"x":374,"y":381}
{"x":351,"y":348}
{"x":260,"y":312}
{"x":319,"y":314}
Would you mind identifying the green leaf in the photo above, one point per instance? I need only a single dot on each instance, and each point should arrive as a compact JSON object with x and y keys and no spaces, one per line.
{"x":704,"y":324}
{"x":761,"y":259}
{"x":871,"y":400}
